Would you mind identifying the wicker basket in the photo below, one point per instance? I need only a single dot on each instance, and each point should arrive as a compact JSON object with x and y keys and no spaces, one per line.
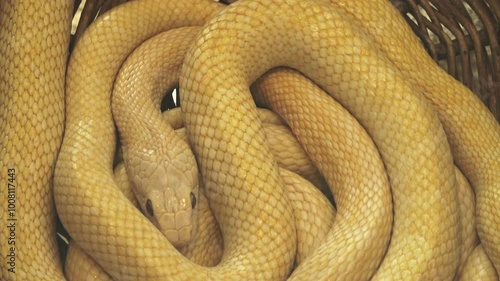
{"x":461,"y":35}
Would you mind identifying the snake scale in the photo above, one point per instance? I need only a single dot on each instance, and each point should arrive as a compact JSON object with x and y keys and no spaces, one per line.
{"x":32,"y":122}
{"x":421,"y":121}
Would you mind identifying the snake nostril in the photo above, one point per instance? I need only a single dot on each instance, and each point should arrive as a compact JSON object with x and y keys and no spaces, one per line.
{"x":149,"y":208}
{"x":193,"y":200}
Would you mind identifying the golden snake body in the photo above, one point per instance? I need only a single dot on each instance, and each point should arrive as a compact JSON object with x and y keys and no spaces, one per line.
{"x":345,"y":58}
{"x":147,"y":74}
{"x":344,"y":47}
{"x":473,"y":132}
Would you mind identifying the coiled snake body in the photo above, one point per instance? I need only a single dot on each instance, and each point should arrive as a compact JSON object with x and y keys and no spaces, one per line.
{"x":416,"y":118}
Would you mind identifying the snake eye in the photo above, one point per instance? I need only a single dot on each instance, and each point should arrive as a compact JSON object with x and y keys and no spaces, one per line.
{"x":193,"y":200}
{"x":149,"y":208}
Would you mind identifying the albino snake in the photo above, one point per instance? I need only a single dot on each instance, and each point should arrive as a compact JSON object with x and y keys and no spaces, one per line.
{"x":345,"y":48}
{"x":147,"y":74}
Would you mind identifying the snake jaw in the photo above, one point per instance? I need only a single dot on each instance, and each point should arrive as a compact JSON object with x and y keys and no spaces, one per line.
{"x":178,"y":226}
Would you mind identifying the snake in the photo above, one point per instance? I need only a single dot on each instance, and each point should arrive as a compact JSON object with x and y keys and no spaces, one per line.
{"x":32,"y":123}
{"x":140,"y":74}
{"x":397,"y":264}
{"x":130,"y":87}
{"x":144,"y":78}
{"x":383,"y":89}
{"x":341,"y":65}
{"x":160,"y":165}
{"x":472,"y":131}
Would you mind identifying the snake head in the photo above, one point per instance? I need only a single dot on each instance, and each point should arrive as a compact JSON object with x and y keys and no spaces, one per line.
{"x":168,"y":197}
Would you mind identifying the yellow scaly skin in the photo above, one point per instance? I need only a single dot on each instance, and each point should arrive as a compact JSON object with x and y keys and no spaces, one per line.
{"x":34,"y":40}
{"x":436,"y":258}
{"x":248,"y":38}
{"x":472,"y":131}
